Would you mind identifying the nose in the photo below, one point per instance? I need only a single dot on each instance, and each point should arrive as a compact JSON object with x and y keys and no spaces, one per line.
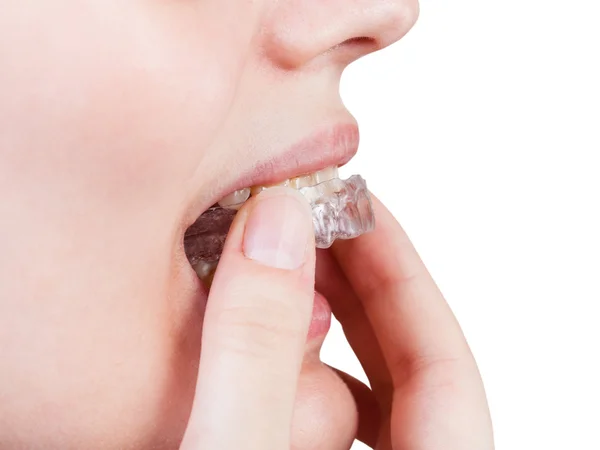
{"x":298,"y":31}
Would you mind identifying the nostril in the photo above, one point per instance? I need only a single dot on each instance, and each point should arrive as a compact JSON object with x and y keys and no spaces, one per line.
{"x":361,"y":43}
{"x":385,"y":24}
{"x":362,"y":40}
{"x":353,"y":48}
{"x":299,"y":32}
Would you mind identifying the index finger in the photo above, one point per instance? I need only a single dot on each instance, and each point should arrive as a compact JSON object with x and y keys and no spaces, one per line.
{"x":255,"y":326}
{"x":411,"y":319}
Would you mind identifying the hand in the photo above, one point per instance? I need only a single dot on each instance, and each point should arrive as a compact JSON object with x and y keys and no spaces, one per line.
{"x":256,"y":323}
{"x":255,"y":328}
{"x":426,"y":390}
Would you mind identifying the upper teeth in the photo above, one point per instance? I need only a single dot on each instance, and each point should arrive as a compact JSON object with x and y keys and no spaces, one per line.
{"x":237,"y":198}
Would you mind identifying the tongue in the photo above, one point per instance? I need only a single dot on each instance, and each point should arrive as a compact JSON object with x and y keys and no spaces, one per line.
{"x":205,"y":239}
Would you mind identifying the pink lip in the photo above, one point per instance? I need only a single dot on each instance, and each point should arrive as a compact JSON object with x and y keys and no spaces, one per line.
{"x":331,"y":146}
{"x":321,"y":318}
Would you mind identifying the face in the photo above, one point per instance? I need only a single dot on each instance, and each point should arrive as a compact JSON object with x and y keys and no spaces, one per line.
{"x":120,"y":122}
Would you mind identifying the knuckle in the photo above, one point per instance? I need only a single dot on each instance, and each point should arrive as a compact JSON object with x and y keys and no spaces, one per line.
{"x":260,"y":327}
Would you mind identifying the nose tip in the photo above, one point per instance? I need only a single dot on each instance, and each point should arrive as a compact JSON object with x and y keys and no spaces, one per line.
{"x":392,"y":20}
{"x":302,"y":30}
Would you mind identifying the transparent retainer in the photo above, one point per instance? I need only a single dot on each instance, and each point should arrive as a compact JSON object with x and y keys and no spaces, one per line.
{"x":341,"y":209}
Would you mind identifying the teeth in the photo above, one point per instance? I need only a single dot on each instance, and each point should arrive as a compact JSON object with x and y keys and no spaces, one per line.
{"x":206,"y":271}
{"x":341,"y":209}
{"x":303,"y":181}
{"x":323,"y":190}
{"x":235,"y":199}
{"x":255,"y":190}
{"x":325,"y":175}
{"x":284,"y":183}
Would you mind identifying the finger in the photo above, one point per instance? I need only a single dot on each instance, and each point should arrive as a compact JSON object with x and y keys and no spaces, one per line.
{"x":439,"y":401}
{"x":374,"y":424}
{"x":413,"y":323}
{"x":348,"y":309}
{"x":255,"y":327}
{"x":369,"y":414}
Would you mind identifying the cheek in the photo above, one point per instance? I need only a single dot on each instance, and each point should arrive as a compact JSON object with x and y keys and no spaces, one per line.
{"x":104,"y":114}
{"x":118,"y":104}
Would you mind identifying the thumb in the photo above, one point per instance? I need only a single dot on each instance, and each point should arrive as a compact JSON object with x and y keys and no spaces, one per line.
{"x":255,"y":327}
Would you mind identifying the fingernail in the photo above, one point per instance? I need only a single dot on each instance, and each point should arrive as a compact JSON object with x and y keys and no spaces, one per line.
{"x":279,"y":229}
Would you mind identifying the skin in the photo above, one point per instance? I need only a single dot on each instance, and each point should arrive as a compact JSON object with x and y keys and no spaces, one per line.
{"x":118,"y":121}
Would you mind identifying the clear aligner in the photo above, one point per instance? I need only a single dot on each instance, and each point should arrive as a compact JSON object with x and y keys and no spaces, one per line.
{"x":341,"y":209}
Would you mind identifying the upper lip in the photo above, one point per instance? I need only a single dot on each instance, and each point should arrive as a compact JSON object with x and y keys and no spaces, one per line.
{"x":331,"y":146}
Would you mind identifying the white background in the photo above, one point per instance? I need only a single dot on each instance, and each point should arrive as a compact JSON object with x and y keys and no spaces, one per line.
{"x":481,"y":131}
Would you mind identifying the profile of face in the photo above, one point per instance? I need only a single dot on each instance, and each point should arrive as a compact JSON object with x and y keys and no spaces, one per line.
{"x":121,"y":122}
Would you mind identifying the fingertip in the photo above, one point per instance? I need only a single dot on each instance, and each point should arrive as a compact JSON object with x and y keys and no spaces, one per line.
{"x":278,"y":231}
{"x":257,"y":319}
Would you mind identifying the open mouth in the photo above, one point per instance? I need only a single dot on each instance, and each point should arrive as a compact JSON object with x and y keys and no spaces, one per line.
{"x":341,"y":209}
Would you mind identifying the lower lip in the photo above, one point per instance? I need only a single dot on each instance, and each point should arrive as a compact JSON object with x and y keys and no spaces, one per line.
{"x":321,"y":318}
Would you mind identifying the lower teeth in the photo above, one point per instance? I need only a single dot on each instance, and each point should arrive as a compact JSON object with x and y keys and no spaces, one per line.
{"x":340,"y":209}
